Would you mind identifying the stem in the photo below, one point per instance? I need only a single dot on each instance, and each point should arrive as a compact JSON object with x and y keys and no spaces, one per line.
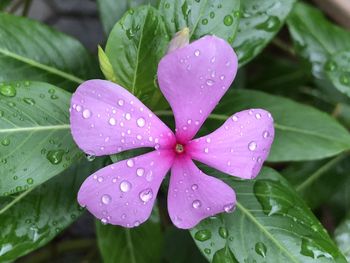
{"x":283,"y":46}
{"x":26,"y":7}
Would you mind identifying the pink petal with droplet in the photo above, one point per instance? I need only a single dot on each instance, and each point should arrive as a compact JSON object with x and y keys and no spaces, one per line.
{"x":194,"y":195}
{"x":193,"y":79}
{"x":124,"y":193}
{"x":239,"y":147}
{"x":106,"y":119}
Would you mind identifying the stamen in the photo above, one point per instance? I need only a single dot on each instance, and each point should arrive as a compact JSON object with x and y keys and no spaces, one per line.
{"x":179,"y":148}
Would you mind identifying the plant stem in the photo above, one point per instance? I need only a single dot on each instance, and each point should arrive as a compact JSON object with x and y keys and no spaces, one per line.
{"x":26,"y":7}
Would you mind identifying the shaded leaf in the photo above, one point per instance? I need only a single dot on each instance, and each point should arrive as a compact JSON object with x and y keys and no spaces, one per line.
{"x":34,"y":217}
{"x":35,"y":139}
{"x":112,"y":10}
{"x":32,"y":51}
{"x":259,"y":23}
{"x":210,"y":17}
{"x":136,"y":44}
{"x":271,"y":223}
{"x":136,"y":245}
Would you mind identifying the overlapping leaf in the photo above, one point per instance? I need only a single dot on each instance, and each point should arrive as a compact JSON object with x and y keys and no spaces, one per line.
{"x":270,"y":224}
{"x":342,"y":237}
{"x":32,"y":51}
{"x":35,"y":139}
{"x":33,"y":218}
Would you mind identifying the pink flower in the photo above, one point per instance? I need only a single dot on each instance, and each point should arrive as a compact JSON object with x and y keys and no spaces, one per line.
{"x":107,"y":119}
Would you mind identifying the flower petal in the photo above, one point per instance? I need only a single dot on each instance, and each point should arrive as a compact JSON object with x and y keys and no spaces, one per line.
{"x":193,"y":79}
{"x":194,"y":195}
{"x":124,"y":193}
{"x":105,"y":119}
{"x":239,"y":147}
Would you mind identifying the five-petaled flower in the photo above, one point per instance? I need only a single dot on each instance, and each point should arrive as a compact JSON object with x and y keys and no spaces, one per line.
{"x":107,"y":119}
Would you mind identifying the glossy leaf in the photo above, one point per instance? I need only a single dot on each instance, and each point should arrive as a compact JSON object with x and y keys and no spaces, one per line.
{"x":142,"y":244}
{"x":35,"y":139}
{"x":302,"y":132}
{"x":136,"y":44}
{"x":210,"y":17}
{"x":342,"y":237}
{"x":338,"y":71}
{"x":112,"y":10}
{"x":33,"y":218}
{"x":271,"y":223}
{"x":32,"y":51}
{"x":318,"y":40}
{"x":259,"y":23}
{"x":318,"y":181}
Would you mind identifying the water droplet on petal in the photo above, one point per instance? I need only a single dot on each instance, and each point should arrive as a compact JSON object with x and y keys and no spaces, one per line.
{"x":229,"y":208}
{"x":197,"y":53}
{"x":206,"y":150}
{"x":106,"y":199}
{"x":112,"y":121}
{"x":128,"y":116}
{"x":210,"y":82}
{"x":234,"y":118}
{"x":252,"y":146}
{"x":258,"y":116}
{"x":125,"y":186}
{"x":104,"y":221}
{"x":194,"y":187}
{"x":130,"y":163}
{"x":86,"y":114}
{"x":78,"y":108}
{"x":120,"y":102}
{"x":146,"y":195}
{"x":137,"y":223}
{"x":140,"y":171}
{"x":266,"y":134}
{"x":196,"y":204}
{"x":140,"y":122}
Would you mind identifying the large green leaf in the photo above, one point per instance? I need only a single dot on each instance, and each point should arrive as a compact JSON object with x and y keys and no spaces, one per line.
{"x":205,"y":17}
{"x":260,"y":22}
{"x":35,"y":138}
{"x":32,"y":51}
{"x":271,"y":223}
{"x":302,"y":132}
{"x":34,"y":217}
{"x":319,"y":41}
{"x":134,"y":48}
{"x":112,"y":10}
{"x":318,"y":181}
{"x":342,"y":237}
{"x":142,"y":244}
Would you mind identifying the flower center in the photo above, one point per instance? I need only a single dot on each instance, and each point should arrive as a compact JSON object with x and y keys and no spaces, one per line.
{"x":179,"y":148}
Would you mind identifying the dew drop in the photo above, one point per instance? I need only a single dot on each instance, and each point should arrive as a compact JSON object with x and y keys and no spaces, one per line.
{"x":29,"y":101}
{"x":55,"y":156}
{"x":223,"y":232}
{"x":5,"y":142}
{"x":8,"y":91}
{"x":112,"y":121}
{"x":210,"y":82}
{"x":260,"y":249}
{"x":207,"y":251}
{"x":229,"y":208}
{"x":252,"y":146}
{"x":234,"y":118}
{"x":197,"y":52}
{"x":86,"y":114}
{"x":202,"y":235}
{"x":146,"y":195}
{"x":104,"y":221}
{"x":196,"y":204}
{"x":206,"y":150}
{"x":194,"y":187}
{"x":128,"y":116}
{"x":228,"y":20}
{"x":130,"y":163}
{"x":258,"y":116}
{"x":125,"y":186}
{"x":106,"y":199}
{"x":120,"y":102}
{"x":140,"y":171}
{"x":266,"y":134}
{"x":30,"y":181}
{"x":140,"y":122}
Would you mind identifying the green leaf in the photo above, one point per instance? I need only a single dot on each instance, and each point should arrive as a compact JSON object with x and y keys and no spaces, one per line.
{"x":302,"y":132}
{"x":33,"y":218}
{"x":142,"y":244}
{"x":271,"y":223}
{"x":106,"y":66}
{"x":318,"y":181}
{"x":112,"y":10}
{"x":206,"y":17}
{"x":260,"y":22}
{"x":342,"y":237}
{"x":338,"y":70}
{"x":35,"y":139}
{"x":318,"y":41}
{"x":4,"y":4}
{"x":30,"y":50}
{"x":134,"y":47}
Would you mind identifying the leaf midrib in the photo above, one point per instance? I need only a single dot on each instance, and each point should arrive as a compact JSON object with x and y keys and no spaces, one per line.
{"x":36,"y":128}
{"x":266,"y":232}
{"x":41,"y":66}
